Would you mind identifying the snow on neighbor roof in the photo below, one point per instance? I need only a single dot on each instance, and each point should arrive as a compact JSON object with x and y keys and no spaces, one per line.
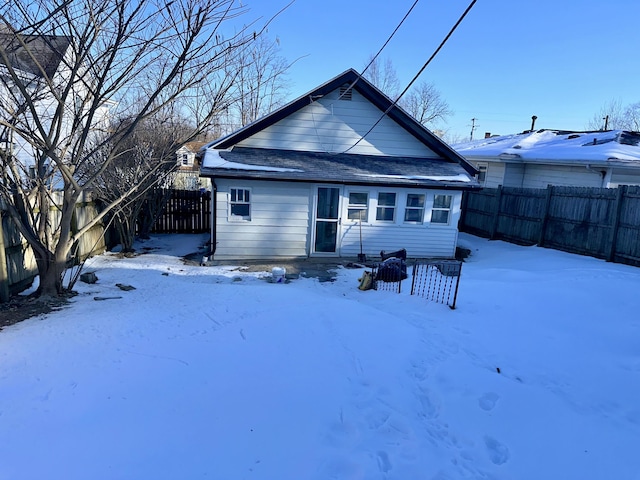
{"x":556,"y":146}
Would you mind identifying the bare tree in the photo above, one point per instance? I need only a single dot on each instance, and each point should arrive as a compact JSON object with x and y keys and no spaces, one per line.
{"x":616,"y":116}
{"x":383,"y":75}
{"x":423,"y":102}
{"x":144,"y":161}
{"x":67,"y":67}
{"x":261,"y":83}
{"x":610,"y":116}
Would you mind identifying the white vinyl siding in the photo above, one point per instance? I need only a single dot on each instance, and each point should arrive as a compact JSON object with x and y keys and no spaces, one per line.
{"x":537,"y":175}
{"x":540,"y":176}
{"x":494,"y":175}
{"x":282,"y":222}
{"x":332,"y":125}
{"x":513,"y":175}
{"x":421,"y":240}
{"x":624,"y":178}
{"x":279,"y":226}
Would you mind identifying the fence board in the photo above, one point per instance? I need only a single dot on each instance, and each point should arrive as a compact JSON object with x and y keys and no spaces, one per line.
{"x":20,"y":262}
{"x":186,"y":211}
{"x":600,"y":222}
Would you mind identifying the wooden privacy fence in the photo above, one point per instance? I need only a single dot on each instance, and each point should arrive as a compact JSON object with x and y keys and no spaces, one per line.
{"x":17,"y":263}
{"x":186,"y":211}
{"x":600,"y":222}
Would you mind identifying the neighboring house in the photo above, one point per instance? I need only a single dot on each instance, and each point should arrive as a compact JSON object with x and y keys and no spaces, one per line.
{"x":331,"y":168}
{"x":540,"y":158}
{"x":187,"y":175}
{"x":42,"y":62}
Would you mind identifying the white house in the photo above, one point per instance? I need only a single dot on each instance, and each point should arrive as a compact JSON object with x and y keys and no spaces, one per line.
{"x":187,"y":175}
{"x":43,"y":63}
{"x":338,"y":170}
{"x":603,"y":159}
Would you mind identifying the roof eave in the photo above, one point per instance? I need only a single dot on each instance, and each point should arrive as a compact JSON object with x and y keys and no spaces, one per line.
{"x":272,"y":176}
{"x":371,"y":93}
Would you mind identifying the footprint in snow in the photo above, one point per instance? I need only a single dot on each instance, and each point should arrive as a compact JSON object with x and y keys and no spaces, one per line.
{"x":488,"y":401}
{"x":498,"y":453}
{"x":383,"y":462}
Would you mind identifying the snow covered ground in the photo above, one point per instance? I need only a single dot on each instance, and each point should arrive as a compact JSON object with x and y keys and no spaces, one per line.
{"x":204,"y":372}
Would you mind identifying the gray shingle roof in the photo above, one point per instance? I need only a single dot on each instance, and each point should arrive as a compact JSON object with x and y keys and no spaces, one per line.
{"x":343,"y":168}
{"x":368,"y":91}
{"x":34,"y":53}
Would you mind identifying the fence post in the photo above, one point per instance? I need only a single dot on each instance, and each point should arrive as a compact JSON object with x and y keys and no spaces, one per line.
{"x":496,"y":216}
{"x":545,"y":216}
{"x":617,"y":211}
{"x":463,"y":211}
{"x":4,"y":274}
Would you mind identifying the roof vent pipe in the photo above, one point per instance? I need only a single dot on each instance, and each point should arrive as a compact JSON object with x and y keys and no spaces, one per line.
{"x":533,"y":122}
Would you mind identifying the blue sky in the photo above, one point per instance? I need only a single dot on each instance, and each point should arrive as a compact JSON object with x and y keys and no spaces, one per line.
{"x":560,"y":60}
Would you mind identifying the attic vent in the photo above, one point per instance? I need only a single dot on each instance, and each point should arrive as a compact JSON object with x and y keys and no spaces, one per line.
{"x":345,"y":92}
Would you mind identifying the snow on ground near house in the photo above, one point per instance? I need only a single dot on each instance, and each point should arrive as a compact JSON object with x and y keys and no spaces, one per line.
{"x":204,"y":372}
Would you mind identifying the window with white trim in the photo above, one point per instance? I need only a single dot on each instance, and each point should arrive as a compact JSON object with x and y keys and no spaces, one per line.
{"x":185,"y":159}
{"x":414,"y":211}
{"x":358,"y":206}
{"x":386,"y":211}
{"x":441,"y":210}
{"x":482,"y":173}
{"x":239,"y":204}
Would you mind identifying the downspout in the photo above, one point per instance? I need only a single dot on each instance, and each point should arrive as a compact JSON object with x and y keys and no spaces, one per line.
{"x":214,"y":219}
{"x":602,"y":173}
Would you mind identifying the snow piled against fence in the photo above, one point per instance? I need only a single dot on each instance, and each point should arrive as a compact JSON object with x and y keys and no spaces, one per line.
{"x":213,"y":372}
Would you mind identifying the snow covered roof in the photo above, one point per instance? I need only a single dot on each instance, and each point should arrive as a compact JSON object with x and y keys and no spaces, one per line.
{"x":613,"y":147}
{"x":270,"y":164}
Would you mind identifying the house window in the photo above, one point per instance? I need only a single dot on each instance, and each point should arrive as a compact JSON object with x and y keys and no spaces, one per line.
{"x":482,"y":173}
{"x":239,"y":204}
{"x":185,"y":159}
{"x":414,"y":212}
{"x":358,"y":206}
{"x":441,"y":209}
{"x":386,"y":211}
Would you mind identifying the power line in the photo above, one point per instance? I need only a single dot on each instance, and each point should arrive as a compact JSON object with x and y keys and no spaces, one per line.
{"x":379,"y":51}
{"x":437,"y":50}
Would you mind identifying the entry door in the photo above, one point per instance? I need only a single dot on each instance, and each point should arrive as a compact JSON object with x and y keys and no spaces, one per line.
{"x":327,"y":220}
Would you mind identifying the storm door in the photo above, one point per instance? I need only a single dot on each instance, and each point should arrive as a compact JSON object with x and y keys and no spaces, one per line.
{"x":327,"y":220}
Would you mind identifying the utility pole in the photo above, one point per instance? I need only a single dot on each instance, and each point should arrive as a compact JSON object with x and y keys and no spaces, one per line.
{"x":606,"y":122}
{"x":473,"y":127}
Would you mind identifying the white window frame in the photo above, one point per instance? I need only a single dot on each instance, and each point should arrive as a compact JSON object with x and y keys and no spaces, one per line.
{"x":407,"y":208}
{"x":393,"y":207}
{"x":185,"y":160}
{"x":239,"y":218}
{"x":362,"y":207}
{"x":441,"y":209}
{"x":483,"y":169}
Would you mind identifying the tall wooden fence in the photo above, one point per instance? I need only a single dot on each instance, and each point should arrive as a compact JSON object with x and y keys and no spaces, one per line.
{"x":17,"y":263}
{"x":600,"y":222}
{"x":186,"y":211}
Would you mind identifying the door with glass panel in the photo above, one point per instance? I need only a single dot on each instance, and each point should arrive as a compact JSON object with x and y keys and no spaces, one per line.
{"x":327,"y":220}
